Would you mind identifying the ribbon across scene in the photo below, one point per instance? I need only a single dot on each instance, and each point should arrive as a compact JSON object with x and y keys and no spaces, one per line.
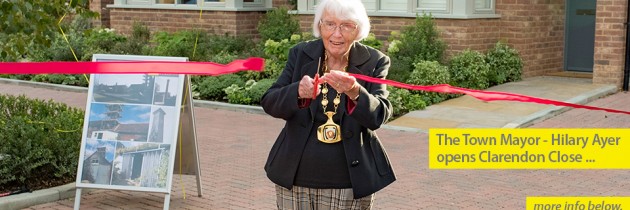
{"x":253,"y":64}
{"x":482,"y":95}
{"x":131,"y":67}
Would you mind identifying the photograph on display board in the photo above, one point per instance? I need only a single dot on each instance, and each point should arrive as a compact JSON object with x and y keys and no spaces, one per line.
{"x":141,"y":164}
{"x":166,"y":88}
{"x":119,"y":122}
{"x":97,"y":162}
{"x":162,"y":118}
{"x":126,"y":88}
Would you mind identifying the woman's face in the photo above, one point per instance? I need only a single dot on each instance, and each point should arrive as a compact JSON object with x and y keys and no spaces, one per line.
{"x":337,"y":34}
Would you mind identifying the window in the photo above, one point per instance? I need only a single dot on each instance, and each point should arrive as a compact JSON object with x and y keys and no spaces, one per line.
{"x":484,"y":6}
{"x":432,"y":6}
{"x":217,"y":5}
{"x":462,"y":9}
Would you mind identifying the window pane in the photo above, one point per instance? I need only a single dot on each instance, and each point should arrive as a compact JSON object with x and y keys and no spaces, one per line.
{"x":394,"y":5}
{"x":141,"y":2}
{"x":165,"y":1}
{"x":432,"y":5}
{"x":370,"y":5}
{"x":189,"y":1}
{"x":483,"y":4}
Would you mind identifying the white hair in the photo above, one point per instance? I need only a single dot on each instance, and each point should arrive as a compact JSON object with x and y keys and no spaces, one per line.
{"x":352,"y":10}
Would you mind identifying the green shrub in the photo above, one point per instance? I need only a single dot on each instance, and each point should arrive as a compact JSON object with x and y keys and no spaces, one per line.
{"x":430,"y":73}
{"x":469,"y":70}
{"x":277,"y":25}
{"x":420,"y":41}
{"x":400,"y":68}
{"x":250,"y":93}
{"x":64,"y":79}
{"x":39,"y":142}
{"x":178,"y":44}
{"x":137,"y":43}
{"x":222,"y":57}
{"x":258,"y":89}
{"x":211,"y":88}
{"x":404,"y":101}
{"x":104,"y":39}
{"x":182,"y":43}
{"x":238,"y":95}
{"x":505,"y":64}
{"x":276,"y":56}
{"x":371,"y":41}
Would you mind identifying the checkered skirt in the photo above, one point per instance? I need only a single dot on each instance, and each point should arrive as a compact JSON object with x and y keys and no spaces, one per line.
{"x":310,"y":198}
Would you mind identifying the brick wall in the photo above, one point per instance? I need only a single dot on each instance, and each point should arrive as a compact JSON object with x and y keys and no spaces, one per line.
{"x":610,"y":41}
{"x":534,"y":27}
{"x":100,"y":6}
{"x":218,"y":22}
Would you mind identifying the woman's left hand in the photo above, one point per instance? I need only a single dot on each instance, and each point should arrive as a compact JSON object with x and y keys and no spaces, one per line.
{"x":342,"y":82}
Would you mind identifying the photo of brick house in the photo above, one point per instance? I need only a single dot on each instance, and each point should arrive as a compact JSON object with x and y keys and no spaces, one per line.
{"x":585,"y":38}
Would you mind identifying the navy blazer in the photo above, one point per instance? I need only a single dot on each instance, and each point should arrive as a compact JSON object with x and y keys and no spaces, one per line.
{"x":367,"y":161}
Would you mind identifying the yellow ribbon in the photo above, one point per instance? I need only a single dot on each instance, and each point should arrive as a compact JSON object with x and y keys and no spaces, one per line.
{"x":68,"y":42}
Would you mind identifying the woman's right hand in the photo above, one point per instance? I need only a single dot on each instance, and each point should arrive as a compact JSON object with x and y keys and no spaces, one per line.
{"x":305,"y":88}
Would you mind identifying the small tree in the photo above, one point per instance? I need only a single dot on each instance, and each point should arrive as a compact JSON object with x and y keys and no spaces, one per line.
{"x":418,"y":42}
{"x":33,"y":22}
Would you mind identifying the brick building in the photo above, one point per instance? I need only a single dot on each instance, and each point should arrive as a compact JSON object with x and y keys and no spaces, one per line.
{"x":586,"y":37}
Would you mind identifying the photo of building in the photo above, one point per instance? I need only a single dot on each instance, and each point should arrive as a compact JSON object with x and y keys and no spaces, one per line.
{"x":119,"y":122}
{"x":97,"y":164}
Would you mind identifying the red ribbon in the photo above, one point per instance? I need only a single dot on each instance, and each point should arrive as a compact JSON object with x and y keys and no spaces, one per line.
{"x":482,"y":95}
{"x":254,"y":64}
{"x":131,"y":67}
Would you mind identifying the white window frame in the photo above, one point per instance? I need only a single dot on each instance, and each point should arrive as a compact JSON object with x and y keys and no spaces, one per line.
{"x":455,"y":9}
{"x":223,"y":5}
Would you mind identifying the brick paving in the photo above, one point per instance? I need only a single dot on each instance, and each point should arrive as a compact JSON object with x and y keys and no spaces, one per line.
{"x":234,"y":146}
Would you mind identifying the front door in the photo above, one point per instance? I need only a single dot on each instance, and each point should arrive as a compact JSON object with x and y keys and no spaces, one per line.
{"x":580,"y":36}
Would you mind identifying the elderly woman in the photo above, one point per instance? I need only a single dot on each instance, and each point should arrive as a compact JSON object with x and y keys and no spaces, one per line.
{"x":328,"y":156}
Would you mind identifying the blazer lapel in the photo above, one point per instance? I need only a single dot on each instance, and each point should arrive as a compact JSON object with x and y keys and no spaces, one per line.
{"x":358,"y":56}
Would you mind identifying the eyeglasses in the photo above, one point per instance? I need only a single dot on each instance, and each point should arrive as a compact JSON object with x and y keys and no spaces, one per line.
{"x":345,"y":28}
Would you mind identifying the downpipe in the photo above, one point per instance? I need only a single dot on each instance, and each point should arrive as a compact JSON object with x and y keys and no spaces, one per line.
{"x":626,"y":71}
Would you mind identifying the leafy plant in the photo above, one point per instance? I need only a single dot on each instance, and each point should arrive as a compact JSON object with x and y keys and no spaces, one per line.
{"x":404,"y":101}
{"x":277,"y":25}
{"x":211,"y":88}
{"x":505,"y":64}
{"x":178,"y":44}
{"x":372,"y":41}
{"x":469,"y":69}
{"x":430,"y":73}
{"x":236,"y":94}
{"x":258,"y":89}
{"x":24,"y":24}
{"x":137,"y":43}
{"x":104,"y":39}
{"x":39,"y":142}
{"x":420,"y":41}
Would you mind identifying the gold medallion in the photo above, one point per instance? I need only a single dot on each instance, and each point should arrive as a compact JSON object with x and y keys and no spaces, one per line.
{"x":329,"y":132}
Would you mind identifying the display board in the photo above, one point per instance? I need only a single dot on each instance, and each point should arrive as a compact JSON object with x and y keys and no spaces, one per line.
{"x":130,"y":130}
